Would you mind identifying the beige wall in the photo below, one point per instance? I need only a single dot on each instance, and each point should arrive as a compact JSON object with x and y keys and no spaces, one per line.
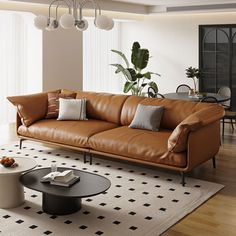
{"x":62,"y":52}
{"x":62,"y":59}
{"x":173,"y":43}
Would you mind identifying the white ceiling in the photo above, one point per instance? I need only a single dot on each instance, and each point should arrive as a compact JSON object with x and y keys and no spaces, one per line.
{"x":176,"y":2}
{"x":158,"y":6}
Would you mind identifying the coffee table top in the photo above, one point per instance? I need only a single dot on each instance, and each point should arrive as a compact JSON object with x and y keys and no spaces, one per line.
{"x":24,"y":164}
{"x":89,"y":185}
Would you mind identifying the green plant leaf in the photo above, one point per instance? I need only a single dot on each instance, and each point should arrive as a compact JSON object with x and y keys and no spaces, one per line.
{"x":119,"y":68}
{"x":128,"y":86}
{"x":143,"y":85}
{"x":142,"y":59}
{"x":134,"y":55}
{"x":154,"y":73}
{"x":139,"y":75}
{"x":154,"y":86}
{"x":132,"y":73}
{"x":148,"y":75}
{"x":122,"y":56}
{"x":192,"y":72}
{"x":124,"y":71}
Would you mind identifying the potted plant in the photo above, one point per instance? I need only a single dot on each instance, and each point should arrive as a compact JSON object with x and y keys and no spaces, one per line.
{"x":136,"y":79}
{"x":194,"y":74}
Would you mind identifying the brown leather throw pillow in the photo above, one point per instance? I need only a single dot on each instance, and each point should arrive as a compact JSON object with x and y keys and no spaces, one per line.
{"x":53,"y":103}
{"x":177,"y":141}
{"x":30,"y":107}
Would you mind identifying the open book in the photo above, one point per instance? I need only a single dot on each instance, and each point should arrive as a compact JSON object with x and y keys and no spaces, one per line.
{"x":65,"y":178}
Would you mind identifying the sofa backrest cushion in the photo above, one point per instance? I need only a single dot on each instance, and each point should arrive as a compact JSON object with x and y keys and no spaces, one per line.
{"x":175,"y":111}
{"x":129,"y":109}
{"x":102,"y":106}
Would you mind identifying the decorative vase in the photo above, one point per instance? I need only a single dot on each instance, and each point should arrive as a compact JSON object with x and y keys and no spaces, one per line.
{"x":191,"y":92}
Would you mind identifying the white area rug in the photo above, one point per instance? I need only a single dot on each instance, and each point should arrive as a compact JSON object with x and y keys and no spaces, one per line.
{"x":140,"y":202}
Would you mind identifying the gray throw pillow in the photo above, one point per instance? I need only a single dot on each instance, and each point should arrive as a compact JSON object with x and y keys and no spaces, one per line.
{"x":147,"y":117}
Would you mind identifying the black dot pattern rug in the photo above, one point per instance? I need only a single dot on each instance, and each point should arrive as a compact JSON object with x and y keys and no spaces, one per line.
{"x":140,"y":202}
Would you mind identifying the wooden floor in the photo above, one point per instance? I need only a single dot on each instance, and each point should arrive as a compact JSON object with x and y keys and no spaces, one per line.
{"x":218,"y":215}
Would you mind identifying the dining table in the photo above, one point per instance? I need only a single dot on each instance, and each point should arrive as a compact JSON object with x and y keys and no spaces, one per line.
{"x":196,"y":98}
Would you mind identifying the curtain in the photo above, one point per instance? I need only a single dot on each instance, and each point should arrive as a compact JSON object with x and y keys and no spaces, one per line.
{"x":98,"y":75}
{"x":20,"y":59}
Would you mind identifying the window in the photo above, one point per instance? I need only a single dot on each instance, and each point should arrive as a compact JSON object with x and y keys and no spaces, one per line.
{"x":98,"y":75}
{"x":20,"y":59}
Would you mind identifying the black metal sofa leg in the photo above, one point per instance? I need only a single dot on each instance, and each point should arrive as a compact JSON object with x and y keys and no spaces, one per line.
{"x":223,"y":128}
{"x":85,"y":157}
{"x":214,"y":162}
{"x":183,"y":178}
{"x":90,"y":158}
{"x":21,"y":141}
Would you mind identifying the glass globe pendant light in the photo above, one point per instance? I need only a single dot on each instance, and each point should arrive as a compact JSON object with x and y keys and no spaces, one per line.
{"x":67,"y":21}
{"x":74,"y":18}
{"x":41,"y":22}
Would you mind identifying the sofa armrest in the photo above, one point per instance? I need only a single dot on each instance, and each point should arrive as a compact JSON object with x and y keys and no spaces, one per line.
{"x":203,"y":144}
{"x":177,"y":141}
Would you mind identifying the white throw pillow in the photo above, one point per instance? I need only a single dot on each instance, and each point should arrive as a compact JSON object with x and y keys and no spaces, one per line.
{"x":72,"y":109}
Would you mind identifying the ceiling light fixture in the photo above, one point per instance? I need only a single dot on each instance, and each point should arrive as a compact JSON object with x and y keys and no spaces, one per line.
{"x":74,"y":17}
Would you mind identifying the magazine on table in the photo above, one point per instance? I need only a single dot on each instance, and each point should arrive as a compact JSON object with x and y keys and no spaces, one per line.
{"x":65,"y":178}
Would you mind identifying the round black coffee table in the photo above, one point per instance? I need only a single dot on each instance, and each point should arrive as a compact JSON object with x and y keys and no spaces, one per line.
{"x":58,"y":200}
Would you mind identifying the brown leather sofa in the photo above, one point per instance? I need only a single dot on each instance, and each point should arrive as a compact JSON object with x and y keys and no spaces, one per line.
{"x":189,"y":134}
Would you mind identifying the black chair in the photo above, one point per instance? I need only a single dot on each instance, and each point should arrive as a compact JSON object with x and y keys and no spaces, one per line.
{"x":229,"y":115}
{"x":183,"y":88}
{"x":226,"y":92}
{"x":209,"y":99}
{"x":153,"y":94}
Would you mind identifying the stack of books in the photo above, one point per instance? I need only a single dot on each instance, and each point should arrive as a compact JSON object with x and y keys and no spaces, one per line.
{"x":65,"y":178}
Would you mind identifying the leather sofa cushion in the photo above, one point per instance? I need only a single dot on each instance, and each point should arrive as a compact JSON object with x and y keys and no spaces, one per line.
{"x":177,"y":142}
{"x":73,"y":133}
{"x":30,"y":107}
{"x":175,"y":111}
{"x":137,"y":144}
{"x":102,"y":106}
{"x":129,"y":109}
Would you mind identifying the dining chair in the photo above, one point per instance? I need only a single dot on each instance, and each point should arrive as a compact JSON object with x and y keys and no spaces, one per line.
{"x":183,"y":88}
{"x":226,"y":92}
{"x":153,"y":94}
{"x":209,"y":99}
{"x":229,"y":115}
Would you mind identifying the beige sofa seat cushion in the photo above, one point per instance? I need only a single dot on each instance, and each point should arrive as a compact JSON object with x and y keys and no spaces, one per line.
{"x":73,"y":133}
{"x":137,"y":144}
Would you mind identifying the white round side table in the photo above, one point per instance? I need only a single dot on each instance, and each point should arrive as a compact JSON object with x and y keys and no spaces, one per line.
{"x":11,"y":190}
